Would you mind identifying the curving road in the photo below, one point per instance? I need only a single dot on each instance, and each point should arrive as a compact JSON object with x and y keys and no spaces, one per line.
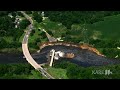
{"x":26,"y":51}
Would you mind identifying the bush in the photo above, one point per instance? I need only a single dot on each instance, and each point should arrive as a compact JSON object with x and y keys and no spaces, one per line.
{"x":73,"y":71}
{"x":37,"y":17}
{"x":36,"y":74}
{"x":61,"y":64}
{"x":111,"y":52}
{"x":24,"y":23}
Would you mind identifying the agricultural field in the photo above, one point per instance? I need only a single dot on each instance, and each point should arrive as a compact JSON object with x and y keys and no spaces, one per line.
{"x":109,"y":27}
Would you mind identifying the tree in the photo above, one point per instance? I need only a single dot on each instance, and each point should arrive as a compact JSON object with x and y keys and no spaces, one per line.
{"x":32,"y":33}
{"x":36,"y":74}
{"x":3,"y":43}
{"x":37,"y":16}
{"x":24,"y":23}
{"x":37,"y":40}
{"x":73,"y":71}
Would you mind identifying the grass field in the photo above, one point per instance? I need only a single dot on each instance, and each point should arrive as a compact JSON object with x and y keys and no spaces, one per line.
{"x":58,"y":73}
{"x":109,"y":28}
{"x":55,"y":27}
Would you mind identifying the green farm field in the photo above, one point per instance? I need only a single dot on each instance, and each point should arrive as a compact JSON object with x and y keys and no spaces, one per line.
{"x":109,"y":28}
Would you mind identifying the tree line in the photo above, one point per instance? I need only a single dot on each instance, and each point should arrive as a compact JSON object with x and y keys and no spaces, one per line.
{"x":18,"y":71}
{"x":77,"y":72}
{"x":68,"y":18}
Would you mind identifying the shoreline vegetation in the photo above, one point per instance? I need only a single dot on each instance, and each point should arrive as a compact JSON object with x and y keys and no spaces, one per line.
{"x":15,"y":50}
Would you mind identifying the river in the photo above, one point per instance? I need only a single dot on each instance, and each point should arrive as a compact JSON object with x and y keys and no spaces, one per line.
{"x":82,"y":57}
{"x":9,"y":58}
{"x":6,"y":58}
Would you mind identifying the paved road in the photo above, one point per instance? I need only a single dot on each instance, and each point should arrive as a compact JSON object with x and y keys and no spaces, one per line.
{"x":26,"y":16}
{"x":27,"y":53}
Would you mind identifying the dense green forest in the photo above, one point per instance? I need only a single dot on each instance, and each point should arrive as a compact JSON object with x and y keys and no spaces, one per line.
{"x":97,"y":28}
{"x":9,"y":35}
{"x":18,"y":71}
{"x":74,"y":71}
{"x":61,"y":70}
